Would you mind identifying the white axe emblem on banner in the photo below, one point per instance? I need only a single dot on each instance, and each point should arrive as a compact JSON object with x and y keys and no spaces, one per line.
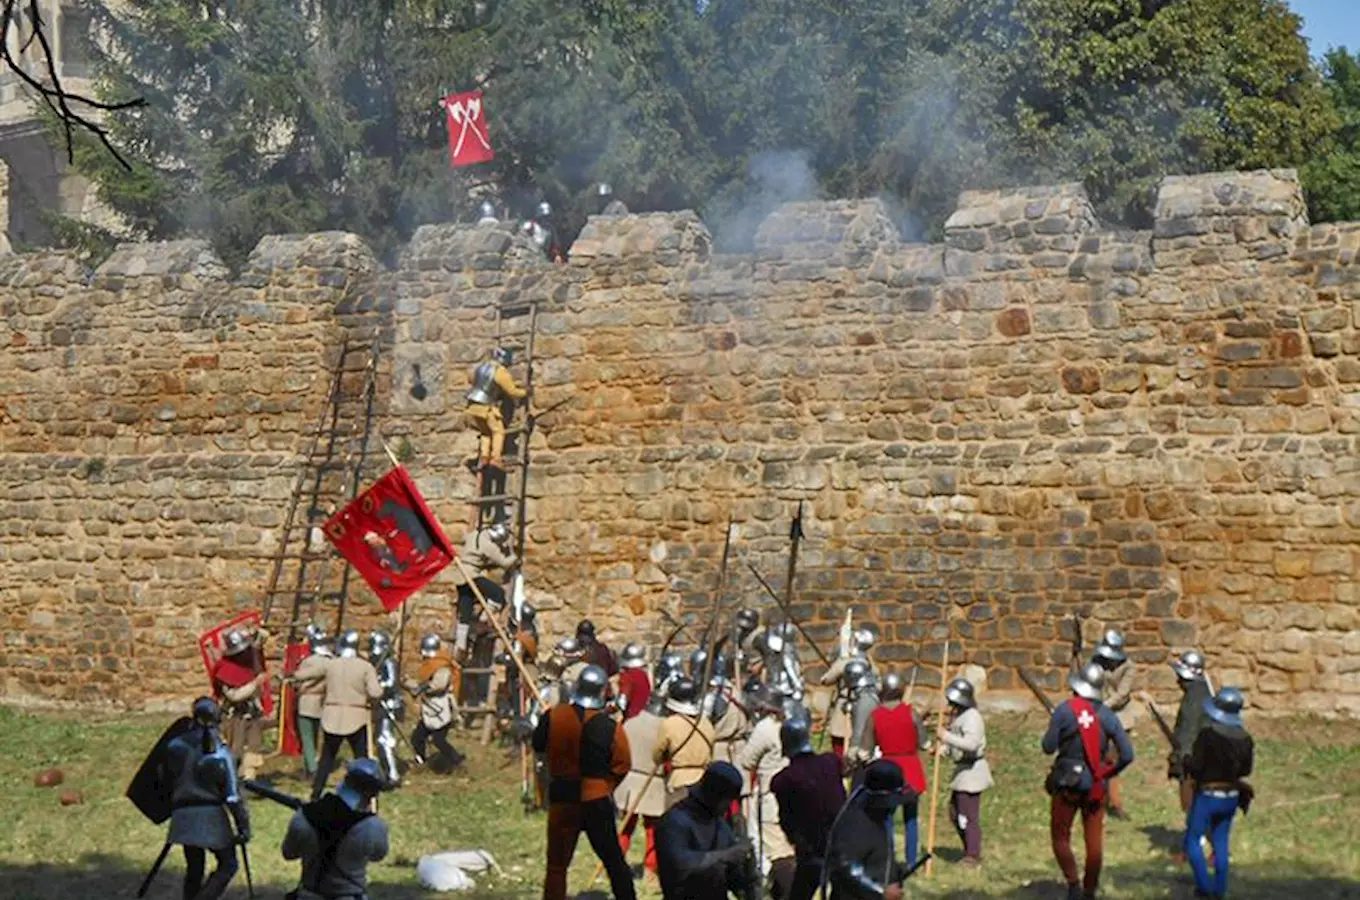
{"x":465,"y":115}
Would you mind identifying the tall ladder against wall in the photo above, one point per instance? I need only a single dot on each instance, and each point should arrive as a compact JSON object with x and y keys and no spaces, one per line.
{"x":308,"y":575}
{"x":503,"y":494}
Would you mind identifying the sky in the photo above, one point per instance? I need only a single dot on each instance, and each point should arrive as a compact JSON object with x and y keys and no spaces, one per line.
{"x":1329,"y":23}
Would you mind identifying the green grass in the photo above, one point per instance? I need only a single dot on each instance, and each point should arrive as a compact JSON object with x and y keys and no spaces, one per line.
{"x":1292,"y":845}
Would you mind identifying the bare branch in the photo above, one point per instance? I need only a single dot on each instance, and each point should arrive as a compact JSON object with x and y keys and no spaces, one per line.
{"x":54,"y":95}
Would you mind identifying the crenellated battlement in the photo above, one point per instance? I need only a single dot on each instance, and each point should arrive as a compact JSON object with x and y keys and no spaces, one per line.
{"x":1036,"y":416}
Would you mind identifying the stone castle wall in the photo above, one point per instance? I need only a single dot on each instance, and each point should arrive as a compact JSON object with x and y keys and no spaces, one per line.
{"x":1035,"y":418}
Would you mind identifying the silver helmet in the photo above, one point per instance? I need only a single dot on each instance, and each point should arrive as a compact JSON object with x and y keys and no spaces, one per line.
{"x":569,"y":649}
{"x":349,"y":643}
{"x":795,"y":736}
{"x":603,"y":189}
{"x":206,"y":712}
{"x":320,"y":643}
{"x":1225,"y":707}
{"x":893,"y":687}
{"x":499,"y":532}
{"x":960,"y":693}
{"x":487,"y":210}
{"x":864,"y":639}
{"x":503,"y":355}
{"x":544,"y":209}
{"x":236,"y":642}
{"x":379,"y":644}
{"x":1189,"y":666}
{"x":697,"y":661}
{"x":632,"y":657}
{"x":527,"y":614}
{"x":1089,"y":683}
{"x":747,"y":621}
{"x":774,"y":639}
{"x":429,"y":645}
{"x":590,"y":688}
{"x":667,"y":667}
{"x":857,"y":675}
{"x":1111,"y":647}
{"x":683,"y":697}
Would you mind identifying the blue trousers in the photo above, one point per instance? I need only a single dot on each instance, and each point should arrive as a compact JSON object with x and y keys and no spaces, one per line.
{"x":1212,"y":816}
{"x":913,"y":840}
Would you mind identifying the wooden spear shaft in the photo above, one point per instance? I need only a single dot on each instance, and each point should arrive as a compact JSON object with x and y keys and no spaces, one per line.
{"x":939,"y":753}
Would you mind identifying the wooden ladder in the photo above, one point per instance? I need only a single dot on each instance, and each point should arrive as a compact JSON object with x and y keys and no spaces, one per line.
{"x":307,"y":569}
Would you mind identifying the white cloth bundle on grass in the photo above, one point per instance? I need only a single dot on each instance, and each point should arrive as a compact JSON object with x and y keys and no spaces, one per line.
{"x":449,"y":871}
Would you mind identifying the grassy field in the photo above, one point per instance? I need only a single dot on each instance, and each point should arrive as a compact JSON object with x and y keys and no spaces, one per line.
{"x":1295,"y":844}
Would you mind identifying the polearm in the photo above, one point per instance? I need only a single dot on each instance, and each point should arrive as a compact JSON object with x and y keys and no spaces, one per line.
{"x":795,"y":540}
{"x":1162,"y":726}
{"x":269,"y":793}
{"x":788,"y":617}
{"x":1034,"y":687}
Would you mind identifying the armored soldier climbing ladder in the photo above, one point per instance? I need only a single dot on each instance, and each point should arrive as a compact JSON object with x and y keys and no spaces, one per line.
{"x":503,"y":492}
{"x":306,"y":569}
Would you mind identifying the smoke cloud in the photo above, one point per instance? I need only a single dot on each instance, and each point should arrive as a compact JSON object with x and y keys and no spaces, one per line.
{"x":773,"y":177}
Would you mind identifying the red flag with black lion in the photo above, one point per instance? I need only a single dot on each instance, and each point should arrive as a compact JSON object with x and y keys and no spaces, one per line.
{"x":389,"y":534}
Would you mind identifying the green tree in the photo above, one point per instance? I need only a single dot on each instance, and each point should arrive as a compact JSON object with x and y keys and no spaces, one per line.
{"x":1332,"y":178}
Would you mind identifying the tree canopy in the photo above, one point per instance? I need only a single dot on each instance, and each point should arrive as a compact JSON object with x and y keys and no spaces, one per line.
{"x":295,"y":115}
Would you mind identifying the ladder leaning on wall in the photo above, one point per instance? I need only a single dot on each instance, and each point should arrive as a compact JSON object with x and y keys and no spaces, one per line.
{"x":307,"y":572}
{"x":502,"y":494}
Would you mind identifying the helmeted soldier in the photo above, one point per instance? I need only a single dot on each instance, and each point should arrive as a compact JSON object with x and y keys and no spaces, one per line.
{"x":964,"y":739}
{"x":351,"y":685}
{"x":642,"y":793}
{"x":897,"y":731}
{"x":540,"y":230}
{"x":1083,"y":732}
{"x":493,"y":387}
{"x":721,"y":707}
{"x":635,"y":688}
{"x":486,"y":212}
{"x":337,"y":836}
{"x":810,"y":794}
{"x":474,"y":640}
{"x":1219,"y":762}
{"x":1190,"y":718}
{"x":1111,"y":656}
{"x":564,"y":667}
{"x":855,"y":646}
{"x":309,"y":679}
{"x":596,"y":652}
{"x":782,"y":667}
{"x":387,"y":712}
{"x":762,"y":756}
{"x":698,"y":854}
{"x":433,"y":686}
{"x":668,"y":668}
{"x":588,"y":756}
{"x":205,"y":803}
{"x":861,"y":863}
{"x":685,"y":743}
{"x":239,"y":681}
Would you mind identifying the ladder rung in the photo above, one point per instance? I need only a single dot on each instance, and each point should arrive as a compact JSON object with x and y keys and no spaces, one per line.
{"x":494,"y":498}
{"x":526,"y":305}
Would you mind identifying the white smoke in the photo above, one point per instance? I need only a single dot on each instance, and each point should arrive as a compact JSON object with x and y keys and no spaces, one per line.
{"x":773,"y":177}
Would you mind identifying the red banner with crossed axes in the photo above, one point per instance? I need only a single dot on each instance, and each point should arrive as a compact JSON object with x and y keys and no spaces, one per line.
{"x":469,"y":141}
{"x":389,"y":534}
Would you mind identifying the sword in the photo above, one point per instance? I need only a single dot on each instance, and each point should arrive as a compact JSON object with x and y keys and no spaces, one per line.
{"x":155,"y":867}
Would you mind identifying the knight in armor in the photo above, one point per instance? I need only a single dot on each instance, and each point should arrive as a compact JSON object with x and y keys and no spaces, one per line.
{"x":564,"y":668}
{"x":860,"y":862}
{"x":810,"y":794}
{"x":896,"y":731}
{"x":351,"y":685}
{"x":337,"y":836}
{"x":433,"y":687}
{"x":698,"y":854}
{"x":760,"y":760}
{"x":493,"y":388}
{"x":781,"y":664}
{"x":540,"y":230}
{"x":726,"y":712}
{"x":855,"y":645}
{"x":239,"y":681}
{"x":309,"y":680}
{"x":208,"y":813}
{"x":861,"y":691}
{"x":474,"y":639}
{"x":1083,"y":732}
{"x":642,"y":793}
{"x":964,"y":739}
{"x":1111,"y":656}
{"x":588,"y":756}
{"x":685,"y":745}
{"x":635,"y":688}
{"x":1190,"y":718}
{"x":387,"y":712}
{"x":668,"y":668}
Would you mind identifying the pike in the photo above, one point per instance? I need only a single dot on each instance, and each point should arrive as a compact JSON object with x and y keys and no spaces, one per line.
{"x":1034,"y":687}
{"x":263,"y":790}
{"x":795,"y":541}
{"x":783,"y":605}
{"x":1164,"y":728}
